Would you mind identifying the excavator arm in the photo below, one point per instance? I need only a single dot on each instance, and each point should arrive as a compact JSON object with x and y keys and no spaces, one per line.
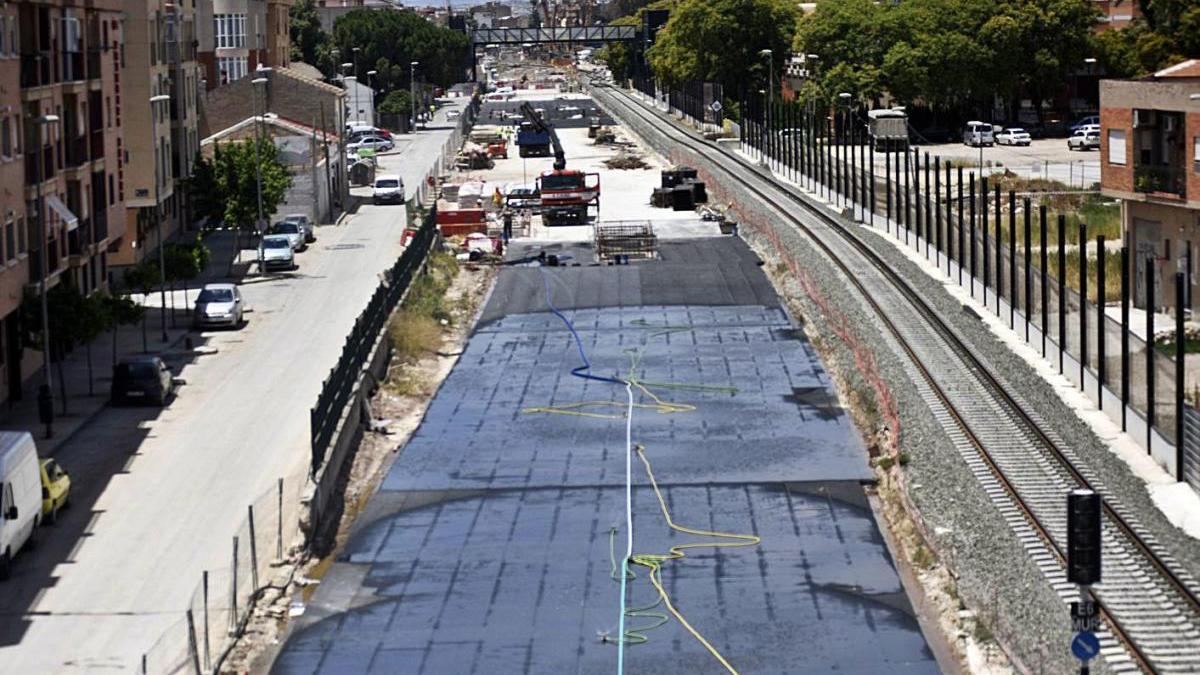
{"x":534,"y":119}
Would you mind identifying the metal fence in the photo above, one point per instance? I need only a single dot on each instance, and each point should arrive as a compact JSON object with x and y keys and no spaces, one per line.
{"x":701,"y":102}
{"x":221,"y":604}
{"x":1029,"y":259}
{"x":336,"y":390}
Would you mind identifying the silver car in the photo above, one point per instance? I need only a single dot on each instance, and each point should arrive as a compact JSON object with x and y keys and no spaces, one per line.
{"x":310,"y":232}
{"x":293,"y":231}
{"x":218,"y":305}
{"x":275,"y":252}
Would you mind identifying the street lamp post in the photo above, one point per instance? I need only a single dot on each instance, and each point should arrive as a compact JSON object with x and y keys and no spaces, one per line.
{"x":848,"y":178}
{"x":46,"y":393}
{"x":412,"y":83}
{"x":258,"y":82}
{"x":810,"y":105}
{"x":158,"y":159}
{"x":371,"y":93}
{"x":770,"y":75}
{"x":353,"y":95}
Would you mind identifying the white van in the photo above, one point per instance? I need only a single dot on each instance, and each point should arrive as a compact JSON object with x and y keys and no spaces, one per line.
{"x":978,"y":133}
{"x":20,"y":495}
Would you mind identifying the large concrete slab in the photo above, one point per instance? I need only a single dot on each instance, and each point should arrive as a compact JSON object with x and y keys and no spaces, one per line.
{"x":522,"y":582}
{"x":490,"y":546}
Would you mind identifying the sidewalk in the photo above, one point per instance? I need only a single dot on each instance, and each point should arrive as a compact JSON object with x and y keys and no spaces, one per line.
{"x":87,"y":396}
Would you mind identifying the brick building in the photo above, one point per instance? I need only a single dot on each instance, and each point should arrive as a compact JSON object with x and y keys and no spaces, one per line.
{"x":293,"y":98}
{"x":160,"y":60}
{"x":1150,"y":160}
{"x":70,"y":169}
{"x":236,"y":37}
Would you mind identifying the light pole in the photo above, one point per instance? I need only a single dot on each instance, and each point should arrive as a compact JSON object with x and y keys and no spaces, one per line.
{"x":258,"y":82}
{"x":810,"y":106}
{"x":162,"y":270}
{"x":412,"y":83}
{"x":354,"y":58}
{"x":770,"y":75}
{"x":847,"y":189}
{"x":353,"y":95}
{"x":46,"y":393}
{"x":371,"y":93}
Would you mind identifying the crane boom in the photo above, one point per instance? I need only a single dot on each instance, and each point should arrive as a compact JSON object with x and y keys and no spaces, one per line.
{"x":560,"y":157}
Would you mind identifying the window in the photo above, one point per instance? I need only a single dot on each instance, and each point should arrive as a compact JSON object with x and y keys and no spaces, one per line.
{"x":10,"y":241}
{"x":1196,"y":153}
{"x":6,"y":148}
{"x":230,"y":30}
{"x":21,"y":236}
{"x":1116,"y":146}
{"x":231,"y":68}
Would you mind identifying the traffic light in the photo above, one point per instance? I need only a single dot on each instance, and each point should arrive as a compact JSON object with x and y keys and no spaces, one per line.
{"x":1083,"y":537}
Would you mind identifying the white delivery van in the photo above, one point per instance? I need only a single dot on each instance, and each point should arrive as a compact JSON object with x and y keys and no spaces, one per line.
{"x":978,"y":134}
{"x":20,"y":495}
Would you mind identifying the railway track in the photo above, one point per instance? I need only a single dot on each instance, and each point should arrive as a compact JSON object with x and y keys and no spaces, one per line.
{"x":1148,"y":603}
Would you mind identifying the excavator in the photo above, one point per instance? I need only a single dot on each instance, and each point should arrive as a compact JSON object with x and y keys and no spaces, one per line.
{"x":566,"y":194}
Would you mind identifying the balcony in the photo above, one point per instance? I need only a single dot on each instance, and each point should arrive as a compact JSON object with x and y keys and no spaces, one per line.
{"x":77,"y":151}
{"x":100,"y":226}
{"x":93,"y":64}
{"x":97,"y":143}
{"x":35,"y":70}
{"x":72,"y":66}
{"x":1161,"y":180}
{"x":32,"y":166}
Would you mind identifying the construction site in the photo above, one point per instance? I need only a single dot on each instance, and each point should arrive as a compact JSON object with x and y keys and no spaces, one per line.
{"x":637,"y":459}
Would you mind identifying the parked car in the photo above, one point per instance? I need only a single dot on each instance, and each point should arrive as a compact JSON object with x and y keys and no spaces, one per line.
{"x":376,"y":143}
{"x":453,"y":114}
{"x":310,"y":230}
{"x":523,"y":197}
{"x":275,"y":252}
{"x":20,"y":508}
{"x":142,"y":378}
{"x":295,"y":234}
{"x":1013,"y":136}
{"x":56,"y":490}
{"x":388,"y":190}
{"x":1089,"y":121}
{"x":218,"y":305}
{"x":1084,"y":139}
{"x":978,"y":134}
{"x":357,"y":130}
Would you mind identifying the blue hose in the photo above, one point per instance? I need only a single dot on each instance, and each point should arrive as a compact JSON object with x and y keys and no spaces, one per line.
{"x":580,"y":371}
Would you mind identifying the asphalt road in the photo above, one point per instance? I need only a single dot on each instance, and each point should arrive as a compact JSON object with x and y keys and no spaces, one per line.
{"x":159,"y":494}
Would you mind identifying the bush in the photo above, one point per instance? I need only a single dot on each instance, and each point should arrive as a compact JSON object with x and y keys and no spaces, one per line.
{"x":414,"y":335}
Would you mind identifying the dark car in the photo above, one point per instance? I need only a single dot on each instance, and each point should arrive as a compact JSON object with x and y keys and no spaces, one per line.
{"x":142,"y":378}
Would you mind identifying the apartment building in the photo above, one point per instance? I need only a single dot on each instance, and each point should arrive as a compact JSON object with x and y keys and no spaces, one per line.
{"x":237,"y":36}
{"x":65,"y":134}
{"x":1150,"y":160}
{"x":160,"y":61}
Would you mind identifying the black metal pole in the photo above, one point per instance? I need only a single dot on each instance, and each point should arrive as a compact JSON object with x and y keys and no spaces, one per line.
{"x":928,"y":219}
{"x":916,"y":154}
{"x":1045,"y":279}
{"x":871,"y":164}
{"x":937,"y":208}
{"x":1028,"y":268}
{"x":1062,"y":289}
{"x":1013,"y":295}
{"x":1124,"y":336}
{"x":1083,"y":334}
{"x":962,"y":258}
{"x":1149,"y":296}
{"x":949,"y":220}
{"x":999,"y":250}
{"x":887,"y":158}
{"x":1101,"y":322}
{"x":907,"y":208}
{"x":972,"y":186}
{"x":1180,"y":343}
{"x":983,"y":224}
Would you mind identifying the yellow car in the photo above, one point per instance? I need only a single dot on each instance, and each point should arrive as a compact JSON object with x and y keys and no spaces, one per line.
{"x":56,"y":489}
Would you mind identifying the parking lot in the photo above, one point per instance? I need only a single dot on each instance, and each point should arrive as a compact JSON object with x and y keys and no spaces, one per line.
{"x":1046,"y":158}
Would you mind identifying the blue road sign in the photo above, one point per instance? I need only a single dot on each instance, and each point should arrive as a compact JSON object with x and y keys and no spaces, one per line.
{"x":1085,"y":646}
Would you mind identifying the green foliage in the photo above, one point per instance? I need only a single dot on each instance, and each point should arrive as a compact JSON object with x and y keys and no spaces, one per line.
{"x":184,"y":262}
{"x":390,"y":41}
{"x":226,"y":186}
{"x":619,"y":56}
{"x":721,"y":41}
{"x":947,"y":53}
{"x":73,"y":317}
{"x":307,"y":38}
{"x":396,"y":102}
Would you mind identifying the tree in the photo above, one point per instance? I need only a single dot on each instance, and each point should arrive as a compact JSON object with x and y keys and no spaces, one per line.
{"x":398,"y":102}
{"x":229,"y":183}
{"x":74,"y":319}
{"x":306,"y":35}
{"x":721,"y":40}
{"x":390,"y":40}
